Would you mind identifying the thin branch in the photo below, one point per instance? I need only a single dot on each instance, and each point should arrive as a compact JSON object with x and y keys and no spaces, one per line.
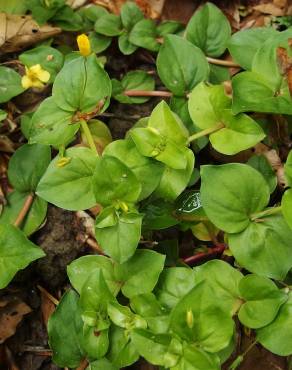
{"x":223,"y":63}
{"x":163,"y":94}
{"x":201,"y":256}
{"x":24,"y":210}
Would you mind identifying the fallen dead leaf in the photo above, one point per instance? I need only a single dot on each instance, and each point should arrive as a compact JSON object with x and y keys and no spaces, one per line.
{"x":12,"y":310}
{"x":151,"y":8}
{"x":270,"y":8}
{"x":20,"y":31}
{"x":285,"y":62}
{"x":47,"y":307}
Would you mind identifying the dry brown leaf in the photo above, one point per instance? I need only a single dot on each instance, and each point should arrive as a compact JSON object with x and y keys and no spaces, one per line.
{"x":151,"y":8}
{"x":20,"y":31}
{"x":6,"y":145}
{"x":271,"y":9}
{"x":12,"y":310}
{"x":285,"y":62}
{"x":47,"y":307}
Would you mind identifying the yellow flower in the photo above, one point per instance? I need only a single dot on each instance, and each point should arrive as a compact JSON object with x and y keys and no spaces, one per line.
{"x":84,"y":45}
{"x":34,"y":76}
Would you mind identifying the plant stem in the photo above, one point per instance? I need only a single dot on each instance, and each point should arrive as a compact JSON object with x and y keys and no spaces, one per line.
{"x":223,"y":63}
{"x":205,"y":132}
{"x":24,"y":210}
{"x":201,"y":256}
{"x":88,"y":136}
{"x":267,"y":212}
{"x":163,"y":94}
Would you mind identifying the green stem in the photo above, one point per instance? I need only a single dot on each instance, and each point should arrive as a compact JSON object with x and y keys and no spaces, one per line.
{"x":205,"y":132}
{"x":88,"y":135}
{"x":267,"y":212}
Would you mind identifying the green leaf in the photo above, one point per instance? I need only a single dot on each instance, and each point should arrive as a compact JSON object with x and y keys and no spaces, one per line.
{"x":49,"y":58}
{"x":288,"y":168}
{"x":94,"y":299}
{"x":102,"y":364}
{"x":79,"y":76}
{"x":206,"y":103}
{"x":27,"y":166}
{"x":195,"y":359}
{"x":277,"y":337}
{"x":134,"y":80}
{"x":100,"y":133}
{"x":228,"y":205}
{"x":174,"y":283}
{"x":94,"y":342}
{"x":52,"y":125}
{"x":34,"y":217}
{"x":144,"y":35}
{"x":209,"y":30}
{"x":80,"y":269}
{"x":3,"y":115}
{"x":252,"y":92}
{"x":188,"y":65}
{"x":224,"y":280}
{"x":262,"y":301}
{"x":125,"y":46}
{"x":244,"y":44}
{"x":158,"y":215}
{"x":67,"y":19}
{"x":16,"y":253}
{"x":109,"y":25}
{"x":99,"y":43}
{"x":266,"y":62}
{"x":157,"y":349}
{"x":264,"y":247}
{"x":174,"y":182}
{"x":70,"y":186}
{"x":167,"y":123}
{"x":114,"y":182}
{"x":287,"y":207}
{"x":64,"y":328}
{"x":238,"y":133}
{"x":42,"y":11}
{"x":13,"y":7}
{"x":120,"y":241}
{"x":197,"y":318}
{"x":10,"y":84}
{"x":94,"y":12}
{"x":218,"y":74}
{"x":169,"y":27}
{"x":130,"y":15}
{"x":147,"y":170}
{"x":122,"y":352}
{"x":261,"y":164}
{"x":140,"y":273}
{"x":151,"y":143}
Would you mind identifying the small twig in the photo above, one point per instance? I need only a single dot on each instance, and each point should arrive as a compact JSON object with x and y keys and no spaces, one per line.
{"x":83,"y":365}
{"x":201,"y":256}
{"x":40,"y":351}
{"x":24,"y":210}
{"x":133,"y":117}
{"x":223,"y":63}
{"x":48,"y":295}
{"x":163,"y":94}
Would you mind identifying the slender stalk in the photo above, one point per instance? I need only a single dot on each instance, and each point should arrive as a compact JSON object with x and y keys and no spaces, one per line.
{"x":201,"y":256}
{"x":83,"y":365}
{"x":223,"y":63}
{"x":205,"y":132}
{"x":88,"y":136}
{"x":267,"y":212}
{"x":163,"y":94}
{"x":24,"y":210}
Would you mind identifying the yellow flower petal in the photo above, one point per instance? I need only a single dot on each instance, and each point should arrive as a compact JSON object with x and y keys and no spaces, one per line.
{"x":36,"y":69}
{"x":83,"y":45}
{"x":26,"y":82}
{"x":37,"y":83}
{"x":43,"y":75}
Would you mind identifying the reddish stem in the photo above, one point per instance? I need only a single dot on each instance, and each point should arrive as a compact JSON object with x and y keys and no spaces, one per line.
{"x":163,"y":94}
{"x":203,"y":255}
{"x":83,"y":365}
